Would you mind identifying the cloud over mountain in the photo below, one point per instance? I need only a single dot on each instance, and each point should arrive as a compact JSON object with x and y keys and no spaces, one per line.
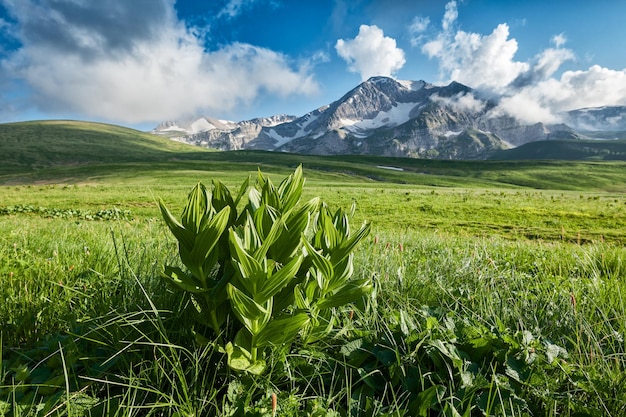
{"x":135,"y":61}
{"x":371,"y":53}
{"x":531,"y":91}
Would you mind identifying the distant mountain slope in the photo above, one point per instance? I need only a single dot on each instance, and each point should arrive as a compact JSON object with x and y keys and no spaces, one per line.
{"x":593,"y":119}
{"x":572,"y":150}
{"x":381,"y":116}
{"x":40,"y":144}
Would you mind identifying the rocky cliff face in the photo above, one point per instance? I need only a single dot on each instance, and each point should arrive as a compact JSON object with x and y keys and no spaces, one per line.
{"x":383,"y":116}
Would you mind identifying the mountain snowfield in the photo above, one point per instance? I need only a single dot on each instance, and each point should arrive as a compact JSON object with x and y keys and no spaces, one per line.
{"x":384,"y":116}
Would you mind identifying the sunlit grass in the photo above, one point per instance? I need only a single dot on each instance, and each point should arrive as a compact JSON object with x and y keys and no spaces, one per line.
{"x":522,"y":272}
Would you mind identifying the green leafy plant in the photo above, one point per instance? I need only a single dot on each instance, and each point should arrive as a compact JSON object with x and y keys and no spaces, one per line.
{"x":261,"y":276}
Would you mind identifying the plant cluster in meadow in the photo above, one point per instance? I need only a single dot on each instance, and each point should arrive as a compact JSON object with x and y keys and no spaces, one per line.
{"x":263,"y":275}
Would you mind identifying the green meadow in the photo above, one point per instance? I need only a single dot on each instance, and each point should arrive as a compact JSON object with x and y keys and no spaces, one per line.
{"x":495,"y":288}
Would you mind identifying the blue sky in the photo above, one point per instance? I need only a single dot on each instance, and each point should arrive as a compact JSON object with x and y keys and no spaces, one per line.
{"x":139,"y":62}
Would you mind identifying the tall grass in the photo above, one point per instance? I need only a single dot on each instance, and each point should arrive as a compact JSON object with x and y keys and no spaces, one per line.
{"x":474,"y":326}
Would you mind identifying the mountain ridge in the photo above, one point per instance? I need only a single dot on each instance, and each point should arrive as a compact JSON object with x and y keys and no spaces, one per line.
{"x":387,"y":117}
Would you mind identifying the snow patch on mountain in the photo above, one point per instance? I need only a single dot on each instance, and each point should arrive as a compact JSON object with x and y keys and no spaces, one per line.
{"x":397,"y":115}
{"x":202,"y":125}
{"x":412,"y":85}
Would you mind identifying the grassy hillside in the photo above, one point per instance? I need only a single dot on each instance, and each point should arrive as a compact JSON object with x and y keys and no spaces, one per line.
{"x":65,"y":152}
{"x":575,"y":150}
{"x":40,"y":144}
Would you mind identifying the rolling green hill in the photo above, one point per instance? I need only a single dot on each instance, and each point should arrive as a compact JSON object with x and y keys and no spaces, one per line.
{"x":75,"y":152}
{"x":41,"y":144}
{"x":572,"y":150}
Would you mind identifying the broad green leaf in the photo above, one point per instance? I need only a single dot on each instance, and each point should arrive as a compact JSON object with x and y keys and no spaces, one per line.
{"x":178,"y":278}
{"x":327,"y":236}
{"x":301,"y":301}
{"x":290,"y":189}
{"x":281,"y":331}
{"x":342,"y":273}
{"x":277,"y":281}
{"x":240,"y":359}
{"x":221,"y":198}
{"x":312,"y":289}
{"x":426,"y":399}
{"x":249,"y":267}
{"x":260,"y":179}
{"x":342,"y":223}
{"x":270,"y":239}
{"x":264,"y":218}
{"x":322,"y":264}
{"x":243,"y":339}
{"x":347,"y":246}
{"x":270,"y":195}
{"x":254,"y":200}
{"x":210,"y":236}
{"x":296,"y":223}
{"x":251,"y":314}
{"x":184,"y":237}
{"x":196,"y":208}
{"x":245,"y":306}
{"x":250,"y":239}
{"x":242,"y":190}
{"x":349,"y":293}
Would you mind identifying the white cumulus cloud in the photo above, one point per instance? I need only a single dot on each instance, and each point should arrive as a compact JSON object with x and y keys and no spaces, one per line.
{"x":371,"y":53}
{"x":462,"y":102}
{"x":531,"y":91}
{"x":473,"y":59}
{"x":125,"y":66}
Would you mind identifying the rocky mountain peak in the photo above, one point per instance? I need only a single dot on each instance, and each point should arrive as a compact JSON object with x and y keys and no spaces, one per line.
{"x":384,"y":116}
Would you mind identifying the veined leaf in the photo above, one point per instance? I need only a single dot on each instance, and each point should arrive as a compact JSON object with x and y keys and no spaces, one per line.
{"x":277,"y":281}
{"x":342,"y":273}
{"x":270,"y":239}
{"x":340,"y":220}
{"x":321,"y":263}
{"x":250,"y":267}
{"x":281,"y":331}
{"x":301,"y":301}
{"x":221,"y":198}
{"x":264,"y":218}
{"x":296,"y":223}
{"x":269,"y":195}
{"x":349,"y":293}
{"x":254,"y":200}
{"x":240,"y":359}
{"x":210,"y":236}
{"x":250,"y":239}
{"x":184,"y":236}
{"x":196,"y":208}
{"x":347,"y":246}
{"x":248,"y":311}
{"x":242,"y":190}
{"x":290,"y":189}
{"x":311,"y":290}
{"x":176,"y":277}
{"x":327,"y":236}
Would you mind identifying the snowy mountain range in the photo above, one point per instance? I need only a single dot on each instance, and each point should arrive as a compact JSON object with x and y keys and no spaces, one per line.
{"x":384,"y":116}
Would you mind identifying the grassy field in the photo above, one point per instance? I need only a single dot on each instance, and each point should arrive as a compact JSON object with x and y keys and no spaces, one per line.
{"x":498,"y":289}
